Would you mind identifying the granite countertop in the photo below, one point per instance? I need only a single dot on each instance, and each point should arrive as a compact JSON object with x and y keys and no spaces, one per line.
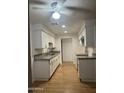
{"x":45,"y":57}
{"x":85,"y":56}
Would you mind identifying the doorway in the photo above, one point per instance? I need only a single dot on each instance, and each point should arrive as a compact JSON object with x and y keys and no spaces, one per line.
{"x":67,"y":51}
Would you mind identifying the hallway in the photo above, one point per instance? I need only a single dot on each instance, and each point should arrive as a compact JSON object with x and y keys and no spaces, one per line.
{"x":64,"y":80}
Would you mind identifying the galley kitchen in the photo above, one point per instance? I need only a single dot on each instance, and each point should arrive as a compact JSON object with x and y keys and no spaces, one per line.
{"x":62,"y":46}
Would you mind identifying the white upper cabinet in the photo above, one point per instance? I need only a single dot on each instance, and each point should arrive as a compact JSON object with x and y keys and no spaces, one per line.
{"x":53,"y":41}
{"x":88,"y":33}
{"x":44,"y":44}
{"x":37,"y":39}
{"x":41,"y":38}
{"x":46,"y":39}
{"x":90,"y":26}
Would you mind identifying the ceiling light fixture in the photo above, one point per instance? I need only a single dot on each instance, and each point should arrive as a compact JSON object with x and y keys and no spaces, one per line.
{"x":63,"y":26}
{"x":56,"y":15}
{"x":65,"y":31}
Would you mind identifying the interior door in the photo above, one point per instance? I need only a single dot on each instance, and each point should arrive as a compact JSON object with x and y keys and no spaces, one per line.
{"x":67,"y":49}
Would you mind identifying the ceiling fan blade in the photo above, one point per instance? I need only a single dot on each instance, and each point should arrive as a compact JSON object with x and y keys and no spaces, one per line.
{"x":38,"y":2}
{"x":66,"y":12}
{"x":37,"y":7}
{"x":45,"y":9}
{"x":79,"y":9}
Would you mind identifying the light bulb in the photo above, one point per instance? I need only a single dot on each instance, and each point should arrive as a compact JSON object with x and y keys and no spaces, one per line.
{"x":63,"y":26}
{"x":65,"y":31}
{"x":56,"y":15}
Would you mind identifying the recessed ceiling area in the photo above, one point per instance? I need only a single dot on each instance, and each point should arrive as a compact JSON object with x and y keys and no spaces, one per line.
{"x":72,"y":12}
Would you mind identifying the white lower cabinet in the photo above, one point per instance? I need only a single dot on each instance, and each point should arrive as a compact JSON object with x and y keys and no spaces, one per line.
{"x":44,"y":69}
{"x":87,"y":70}
{"x":53,"y":64}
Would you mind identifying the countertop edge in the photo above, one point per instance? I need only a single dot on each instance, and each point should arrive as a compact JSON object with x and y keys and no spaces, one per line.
{"x":47,"y":59}
{"x":87,"y":58}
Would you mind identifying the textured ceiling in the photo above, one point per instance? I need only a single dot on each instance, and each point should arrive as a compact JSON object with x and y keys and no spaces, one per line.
{"x":71,"y":18}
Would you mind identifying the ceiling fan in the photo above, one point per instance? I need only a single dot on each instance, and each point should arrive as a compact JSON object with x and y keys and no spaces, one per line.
{"x":57,"y":7}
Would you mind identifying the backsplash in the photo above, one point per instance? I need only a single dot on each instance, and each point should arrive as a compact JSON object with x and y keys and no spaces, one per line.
{"x":44,"y":50}
{"x":91,"y":49}
{"x":41,"y":50}
{"x":85,"y":50}
{"x":38,"y":51}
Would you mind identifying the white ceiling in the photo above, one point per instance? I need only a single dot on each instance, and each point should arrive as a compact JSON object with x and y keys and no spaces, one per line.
{"x":72,"y":19}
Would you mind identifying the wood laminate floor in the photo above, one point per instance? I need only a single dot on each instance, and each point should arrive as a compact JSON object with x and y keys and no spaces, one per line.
{"x":64,"y":80}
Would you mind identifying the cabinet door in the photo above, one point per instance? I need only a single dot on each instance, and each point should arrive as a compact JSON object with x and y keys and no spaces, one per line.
{"x":53,"y":41}
{"x":44,"y":40}
{"x":51,"y":67}
{"x":90,"y":33}
{"x":36,"y":39}
{"x":87,"y":69}
{"x":41,"y":70}
{"x":89,"y":36}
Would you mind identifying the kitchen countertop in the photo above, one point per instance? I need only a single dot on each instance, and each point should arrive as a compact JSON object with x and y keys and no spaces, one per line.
{"x":85,"y":56}
{"x":45,"y":57}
